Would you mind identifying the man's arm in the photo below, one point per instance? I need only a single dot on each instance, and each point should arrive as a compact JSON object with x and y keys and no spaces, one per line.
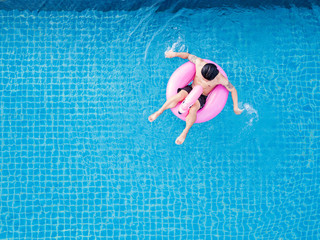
{"x":184,"y":55}
{"x":234,"y":96}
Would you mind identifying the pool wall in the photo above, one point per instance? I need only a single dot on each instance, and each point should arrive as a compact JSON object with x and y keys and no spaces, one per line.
{"x":74,"y":5}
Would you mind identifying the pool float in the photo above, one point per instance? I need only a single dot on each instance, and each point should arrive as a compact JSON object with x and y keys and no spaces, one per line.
{"x":190,"y":100}
{"x":216,"y":99}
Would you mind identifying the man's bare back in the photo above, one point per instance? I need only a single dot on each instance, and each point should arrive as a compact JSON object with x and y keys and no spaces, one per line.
{"x":207,"y":86}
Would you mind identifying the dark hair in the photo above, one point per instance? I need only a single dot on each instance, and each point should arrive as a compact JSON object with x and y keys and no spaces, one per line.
{"x":209,"y":71}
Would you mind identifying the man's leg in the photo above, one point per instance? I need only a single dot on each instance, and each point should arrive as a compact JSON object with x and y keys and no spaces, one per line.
{"x":170,"y":103}
{"x":190,"y":119}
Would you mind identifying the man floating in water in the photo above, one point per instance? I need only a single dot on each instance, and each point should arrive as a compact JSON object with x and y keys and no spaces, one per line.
{"x":208,"y":77}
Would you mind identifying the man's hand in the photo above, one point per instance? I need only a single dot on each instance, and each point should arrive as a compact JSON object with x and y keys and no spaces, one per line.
{"x":170,"y":54}
{"x":237,"y":111}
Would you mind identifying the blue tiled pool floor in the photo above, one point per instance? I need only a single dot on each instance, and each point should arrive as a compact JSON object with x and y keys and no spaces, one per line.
{"x":79,"y":159}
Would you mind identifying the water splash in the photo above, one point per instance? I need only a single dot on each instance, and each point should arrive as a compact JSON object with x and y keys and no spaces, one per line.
{"x":253,"y":113}
{"x":178,"y":46}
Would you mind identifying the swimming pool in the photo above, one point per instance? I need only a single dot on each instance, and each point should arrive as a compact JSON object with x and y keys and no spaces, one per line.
{"x":79,"y":159}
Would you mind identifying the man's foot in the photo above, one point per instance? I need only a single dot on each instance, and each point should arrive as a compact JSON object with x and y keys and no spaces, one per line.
{"x":153,"y":117}
{"x":181,"y":138}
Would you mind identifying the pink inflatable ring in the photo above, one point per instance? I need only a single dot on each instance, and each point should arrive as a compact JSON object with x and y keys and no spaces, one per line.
{"x":216,"y":99}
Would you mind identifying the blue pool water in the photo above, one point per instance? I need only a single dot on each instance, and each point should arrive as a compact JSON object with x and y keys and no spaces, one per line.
{"x":79,"y":159}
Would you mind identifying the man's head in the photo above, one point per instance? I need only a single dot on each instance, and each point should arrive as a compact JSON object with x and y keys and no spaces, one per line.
{"x":209,"y":71}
